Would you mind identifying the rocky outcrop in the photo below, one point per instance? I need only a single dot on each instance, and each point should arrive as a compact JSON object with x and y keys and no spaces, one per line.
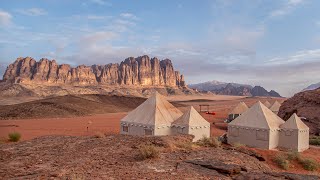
{"x":260,"y":91}
{"x":306,"y":104}
{"x":234,"y":89}
{"x":132,"y":71}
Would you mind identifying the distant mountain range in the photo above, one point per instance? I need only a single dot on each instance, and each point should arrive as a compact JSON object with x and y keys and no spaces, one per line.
{"x":236,"y":89}
{"x":312,"y":87}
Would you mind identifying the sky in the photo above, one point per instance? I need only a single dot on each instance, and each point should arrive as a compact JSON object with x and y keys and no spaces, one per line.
{"x":272,"y":43}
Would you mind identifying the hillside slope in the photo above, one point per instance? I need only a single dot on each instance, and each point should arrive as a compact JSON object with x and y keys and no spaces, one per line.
{"x":305,"y":104}
{"x":69,"y":106}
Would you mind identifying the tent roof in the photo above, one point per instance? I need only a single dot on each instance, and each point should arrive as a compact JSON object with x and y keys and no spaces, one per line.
{"x":294,"y":122}
{"x":267,"y":104}
{"x":258,"y":116}
{"x":191,"y":118}
{"x":154,"y":111}
{"x":275,"y":106}
{"x":240,"y":108}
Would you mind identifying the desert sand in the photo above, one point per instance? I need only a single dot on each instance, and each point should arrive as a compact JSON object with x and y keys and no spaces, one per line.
{"x":109,"y":122}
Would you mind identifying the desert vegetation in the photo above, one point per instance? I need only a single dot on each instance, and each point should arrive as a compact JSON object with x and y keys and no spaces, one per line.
{"x":284,"y":161}
{"x":315,"y":140}
{"x":148,"y":152}
{"x":209,"y":142}
{"x":14,"y":137}
{"x":99,"y":135}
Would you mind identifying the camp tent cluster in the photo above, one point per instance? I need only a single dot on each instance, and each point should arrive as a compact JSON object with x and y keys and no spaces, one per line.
{"x":156,"y":117}
{"x":242,"y":107}
{"x":260,"y":127}
{"x":237,"y":111}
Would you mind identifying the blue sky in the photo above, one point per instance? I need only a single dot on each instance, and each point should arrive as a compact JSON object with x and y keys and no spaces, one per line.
{"x":275,"y":44}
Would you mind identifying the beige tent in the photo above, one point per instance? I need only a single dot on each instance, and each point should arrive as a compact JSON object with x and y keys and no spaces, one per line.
{"x":294,"y":134}
{"x":153,"y":117}
{"x":257,"y":127}
{"x":267,"y":104}
{"x":237,"y":111}
{"x":275,"y":107}
{"x":191,"y":122}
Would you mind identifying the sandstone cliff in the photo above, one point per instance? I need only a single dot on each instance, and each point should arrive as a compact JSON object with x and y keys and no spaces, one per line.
{"x":132,"y":71}
{"x":306,"y":104}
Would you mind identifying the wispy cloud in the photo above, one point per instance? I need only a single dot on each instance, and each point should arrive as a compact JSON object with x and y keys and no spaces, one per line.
{"x":101,"y":2}
{"x":5,"y":19}
{"x":129,"y":16}
{"x":286,"y":8}
{"x":32,"y":12}
{"x":300,"y":56}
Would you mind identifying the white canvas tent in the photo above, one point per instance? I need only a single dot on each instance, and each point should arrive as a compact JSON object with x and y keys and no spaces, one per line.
{"x":257,"y":127}
{"x":275,"y":107}
{"x":191,"y":122}
{"x":294,"y":134}
{"x":153,"y":117}
{"x":267,"y":104}
{"x":237,"y":111}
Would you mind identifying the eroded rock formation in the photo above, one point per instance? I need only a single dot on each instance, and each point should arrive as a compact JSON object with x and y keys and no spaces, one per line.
{"x":132,"y":71}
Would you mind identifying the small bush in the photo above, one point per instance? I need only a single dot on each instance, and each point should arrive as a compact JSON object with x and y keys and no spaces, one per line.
{"x":293,"y":155}
{"x":185,"y":145}
{"x":99,"y":135}
{"x":309,"y":164}
{"x":315,"y":141}
{"x":282,"y":162}
{"x":148,"y":152}
{"x":238,"y":145}
{"x":14,"y":137}
{"x":209,"y":142}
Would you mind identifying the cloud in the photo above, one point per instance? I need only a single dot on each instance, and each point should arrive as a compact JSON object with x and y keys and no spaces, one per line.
{"x":5,"y":19}
{"x":298,"y":57}
{"x":129,"y":16}
{"x":286,"y":8}
{"x":97,"y":17}
{"x":32,"y":12}
{"x":98,"y":36}
{"x":101,"y":2}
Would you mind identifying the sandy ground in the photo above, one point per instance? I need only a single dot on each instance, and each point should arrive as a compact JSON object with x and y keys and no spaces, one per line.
{"x":31,"y":128}
{"x":109,"y":123}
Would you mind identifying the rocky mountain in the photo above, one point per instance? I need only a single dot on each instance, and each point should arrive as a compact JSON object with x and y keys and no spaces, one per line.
{"x":233,"y":89}
{"x":215,"y":85}
{"x":306,"y":104}
{"x":141,"y":71}
{"x":312,"y":87}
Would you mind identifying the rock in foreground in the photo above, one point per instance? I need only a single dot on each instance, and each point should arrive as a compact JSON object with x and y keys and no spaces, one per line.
{"x":115,"y":157}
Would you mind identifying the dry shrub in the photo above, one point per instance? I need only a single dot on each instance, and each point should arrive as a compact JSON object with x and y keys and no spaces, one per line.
{"x":308,"y":164}
{"x":281,"y":161}
{"x":14,"y":137}
{"x":209,"y":142}
{"x":293,"y":155}
{"x":148,"y":152}
{"x":238,"y":145}
{"x":185,"y":145}
{"x":315,"y":141}
{"x":99,"y":135}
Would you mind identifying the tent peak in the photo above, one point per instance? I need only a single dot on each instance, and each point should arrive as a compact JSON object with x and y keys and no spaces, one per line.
{"x":294,"y":122}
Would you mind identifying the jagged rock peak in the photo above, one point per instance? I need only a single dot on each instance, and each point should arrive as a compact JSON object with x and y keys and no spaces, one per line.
{"x":132,"y":71}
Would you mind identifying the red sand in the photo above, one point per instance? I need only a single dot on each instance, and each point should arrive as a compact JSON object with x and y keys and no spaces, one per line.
{"x":31,"y":128}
